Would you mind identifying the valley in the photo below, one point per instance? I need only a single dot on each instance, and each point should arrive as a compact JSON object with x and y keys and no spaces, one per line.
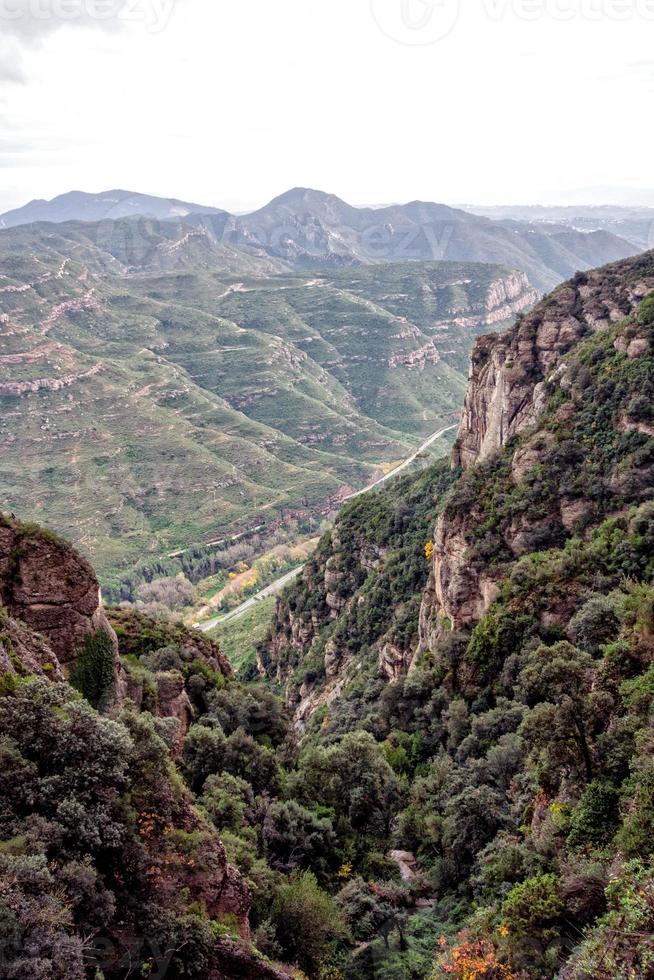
{"x":326,"y":502}
{"x":430,"y":756}
{"x":154,"y":401}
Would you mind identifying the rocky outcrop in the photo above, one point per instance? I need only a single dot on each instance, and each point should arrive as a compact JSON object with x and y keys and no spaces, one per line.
{"x":512,"y":377}
{"x":49,"y":587}
{"x":50,"y":604}
{"x":508,"y":372}
{"x":416,"y":358}
{"x":504,"y":298}
{"x":393,"y":662}
{"x":139,"y":633}
{"x":87,"y":303}
{"x":22,"y":651}
{"x":238,"y":963}
{"x":17,"y":388}
{"x":457,"y":593}
{"x":168,"y":653}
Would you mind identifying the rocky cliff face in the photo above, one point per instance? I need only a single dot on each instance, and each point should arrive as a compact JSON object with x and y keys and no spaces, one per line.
{"x":49,"y":606}
{"x":354,"y":610}
{"x":509,"y":371}
{"x":506,"y":296}
{"x":23,"y":650}
{"x":50,"y":589}
{"x":554,"y":437}
{"x":527,"y":389}
{"x":159,"y":685}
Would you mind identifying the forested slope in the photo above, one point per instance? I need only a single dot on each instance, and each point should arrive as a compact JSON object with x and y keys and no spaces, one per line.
{"x":517,"y":715}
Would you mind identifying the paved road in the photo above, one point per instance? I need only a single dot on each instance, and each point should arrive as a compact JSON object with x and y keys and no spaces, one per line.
{"x":272,"y":589}
{"x":407,"y":462}
{"x":279,"y":584}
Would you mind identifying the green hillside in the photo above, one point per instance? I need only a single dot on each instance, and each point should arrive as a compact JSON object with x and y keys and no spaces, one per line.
{"x":152,"y":401}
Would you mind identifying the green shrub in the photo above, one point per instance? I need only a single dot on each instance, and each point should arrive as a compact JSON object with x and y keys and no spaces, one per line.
{"x":531,"y":913}
{"x":594,"y":817}
{"x":94,"y":671}
{"x":637,"y":832}
{"x":496,"y":636}
{"x":646,"y":311}
{"x":307,"y":920}
{"x":595,"y":624}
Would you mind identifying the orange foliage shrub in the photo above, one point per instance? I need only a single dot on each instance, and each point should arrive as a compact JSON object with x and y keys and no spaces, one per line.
{"x":472,"y":960}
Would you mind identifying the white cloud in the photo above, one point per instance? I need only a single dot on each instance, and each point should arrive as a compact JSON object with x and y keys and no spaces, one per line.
{"x":24,"y":24}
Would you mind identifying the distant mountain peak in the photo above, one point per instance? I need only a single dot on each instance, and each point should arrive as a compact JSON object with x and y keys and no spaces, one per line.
{"x":306,"y":195}
{"x":106,"y":205}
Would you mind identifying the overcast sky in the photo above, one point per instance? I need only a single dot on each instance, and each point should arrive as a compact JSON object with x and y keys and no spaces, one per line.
{"x":230,"y":102}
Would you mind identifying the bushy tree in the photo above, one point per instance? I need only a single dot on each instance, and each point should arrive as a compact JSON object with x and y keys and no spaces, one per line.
{"x":62,"y":761}
{"x":38,"y":940}
{"x":307,"y":919}
{"x":594,"y":624}
{"x":354,"y":778}
{"x":251,"y":761}
{"x":204,"y":754}
{"x":173,"y":593}
{"x":226,"y":800}
{"x":94,"y":670}
{"x":295,"y":837}
{"x":646,"y":311}
{"x":568,"y":709}
{"x":254,"y":709}
{"x":532,"y":914}
{"x":594,"y":819}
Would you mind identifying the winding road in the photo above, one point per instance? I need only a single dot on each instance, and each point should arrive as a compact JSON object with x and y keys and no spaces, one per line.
{"x":271,"y":589}
{"x":407,"y":462}
{"x":288,"y":577}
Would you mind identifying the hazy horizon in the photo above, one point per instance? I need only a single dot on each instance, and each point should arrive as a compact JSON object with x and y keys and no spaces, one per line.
{"x":373,"y":100}
{"x":620,"y":198}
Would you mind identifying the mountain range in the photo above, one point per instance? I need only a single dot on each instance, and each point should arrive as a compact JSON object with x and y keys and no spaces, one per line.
{"x":107,"y":206}
{"x":306,"y":228}
{"x":173,"y":375}
{"x":635,"y":224}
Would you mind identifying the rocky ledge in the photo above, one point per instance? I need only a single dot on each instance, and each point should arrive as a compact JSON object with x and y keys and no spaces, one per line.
{"x":508,"y":371}
{"x":54,"y":592}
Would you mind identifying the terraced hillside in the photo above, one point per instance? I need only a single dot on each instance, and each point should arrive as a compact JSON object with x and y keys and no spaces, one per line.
{"x":160,"y":391}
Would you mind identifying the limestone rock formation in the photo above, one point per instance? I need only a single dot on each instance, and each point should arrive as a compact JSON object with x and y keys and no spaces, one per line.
{"x":24,"y":651}
{"x":511,"y":375}
{"x":508,"y":371}
{"x":52,"y":590}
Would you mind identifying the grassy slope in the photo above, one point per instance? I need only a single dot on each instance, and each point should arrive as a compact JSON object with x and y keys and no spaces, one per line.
{"x":239,"y":638}
{"x":211,"y":410}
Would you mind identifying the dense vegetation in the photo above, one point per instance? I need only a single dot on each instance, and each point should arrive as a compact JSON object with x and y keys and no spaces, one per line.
{"x":361,"y":589}
{"x":481,"y":808}
{"x":522,"y":746}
